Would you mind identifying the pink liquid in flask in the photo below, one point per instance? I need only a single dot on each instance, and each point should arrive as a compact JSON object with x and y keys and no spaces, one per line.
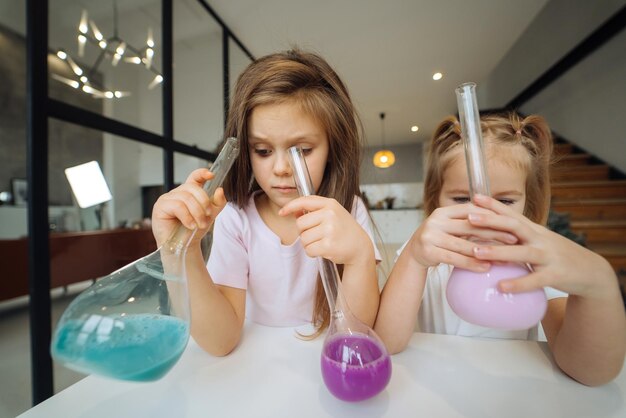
{"x":475,"y":298}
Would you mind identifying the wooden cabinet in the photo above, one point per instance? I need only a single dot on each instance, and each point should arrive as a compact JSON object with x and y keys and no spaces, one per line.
{"x":74,"y":257}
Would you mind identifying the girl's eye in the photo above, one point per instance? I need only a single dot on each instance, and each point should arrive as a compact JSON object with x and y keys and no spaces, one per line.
{"x":262,"y":152}
{"x":507,"y":201}
{"x":307,"y":151}
{"x":461,"y":199}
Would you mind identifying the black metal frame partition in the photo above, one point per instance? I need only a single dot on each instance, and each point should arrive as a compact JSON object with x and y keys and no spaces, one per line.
{"x":40,"y":107}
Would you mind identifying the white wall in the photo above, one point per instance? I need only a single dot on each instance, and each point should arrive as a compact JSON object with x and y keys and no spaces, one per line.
{"x":407,"y":169}
{"x":586,"y":105}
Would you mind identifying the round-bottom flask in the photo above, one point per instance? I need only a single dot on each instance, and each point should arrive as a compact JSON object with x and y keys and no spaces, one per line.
{"x":134,"y":323}
{"x":355,"y":363}
{"x":475,"y":298}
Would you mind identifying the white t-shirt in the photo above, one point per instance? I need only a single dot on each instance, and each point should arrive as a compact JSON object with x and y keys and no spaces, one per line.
{"x":437,"y":317}
{"x":279,"y":279}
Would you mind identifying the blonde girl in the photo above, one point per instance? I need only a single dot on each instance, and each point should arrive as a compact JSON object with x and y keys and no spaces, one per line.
{"x":586,"y":331}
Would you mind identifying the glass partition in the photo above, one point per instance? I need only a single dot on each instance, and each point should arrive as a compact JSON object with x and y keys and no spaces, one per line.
{"x":106,"y":57}
{"x":198,"y":92}
{"x":238,"y":61}
{"x":13,"y":185}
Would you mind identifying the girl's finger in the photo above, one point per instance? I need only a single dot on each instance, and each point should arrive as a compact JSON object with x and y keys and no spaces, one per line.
{"x":461,"y":261}
{"x":521,"y":228}
{"x":512,"y":253}
{"x":304,"y":203}
{"x":532,"y":281}
{"x":199,"y":176}
{"x":463,"y":228}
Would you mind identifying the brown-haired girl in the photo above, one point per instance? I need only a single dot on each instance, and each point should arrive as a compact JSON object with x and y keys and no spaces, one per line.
{"x":586,"y":331}
{"x":260,"y":266}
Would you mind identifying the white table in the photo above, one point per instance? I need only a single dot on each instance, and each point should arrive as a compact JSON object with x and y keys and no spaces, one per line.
{"x":274,"y":374}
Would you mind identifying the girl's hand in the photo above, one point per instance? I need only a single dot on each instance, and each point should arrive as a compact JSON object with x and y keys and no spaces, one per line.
{"x":557,"y":261}
{"x":328,"y":230}
{"x":187,"y":204}
{"x":443,"y":238}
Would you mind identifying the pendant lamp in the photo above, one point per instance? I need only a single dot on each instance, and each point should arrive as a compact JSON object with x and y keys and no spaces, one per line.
{"x":384,"y":158}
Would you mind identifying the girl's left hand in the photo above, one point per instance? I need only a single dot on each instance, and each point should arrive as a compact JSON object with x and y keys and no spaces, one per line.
{"x":557,"y":261}
{"x":328,"y":230}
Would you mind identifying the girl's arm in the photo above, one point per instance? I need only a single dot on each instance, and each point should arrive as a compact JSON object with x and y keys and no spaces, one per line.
{"x":439,"y":239}
{"x":217,"y":311}
{"x":328,"y":230}
{"x":400,"y":302}
{"x":587,"y":331}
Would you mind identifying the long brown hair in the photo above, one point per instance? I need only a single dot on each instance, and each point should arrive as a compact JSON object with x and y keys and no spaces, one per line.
{"x":308,"y":80}
{"x":531,"y":132}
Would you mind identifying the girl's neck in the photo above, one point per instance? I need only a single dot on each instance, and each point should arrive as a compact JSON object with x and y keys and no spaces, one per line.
{"x":283,"y":226}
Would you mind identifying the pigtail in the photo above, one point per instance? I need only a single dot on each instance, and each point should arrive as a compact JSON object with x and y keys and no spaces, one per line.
{"x":535,"y":130}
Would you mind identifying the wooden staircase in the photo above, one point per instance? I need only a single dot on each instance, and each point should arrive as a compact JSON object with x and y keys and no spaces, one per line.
{"x":594,"y":196}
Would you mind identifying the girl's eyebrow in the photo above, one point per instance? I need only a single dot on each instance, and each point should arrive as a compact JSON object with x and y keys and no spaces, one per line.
{"x":292,"y":141}
{"x":509,"y":193}
{"x":503,"y":193}
{"x":458,"y":191}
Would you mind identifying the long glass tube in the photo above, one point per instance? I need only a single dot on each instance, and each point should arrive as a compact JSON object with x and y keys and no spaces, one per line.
{"x":328,"y":269}
{"x":472,"y":139}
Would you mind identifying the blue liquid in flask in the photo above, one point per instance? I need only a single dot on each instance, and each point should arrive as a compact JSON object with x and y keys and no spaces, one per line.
{"x":141,"y":347}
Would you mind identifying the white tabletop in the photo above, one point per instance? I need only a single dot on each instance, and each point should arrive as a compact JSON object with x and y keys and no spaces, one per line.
{"x":274,"y":374}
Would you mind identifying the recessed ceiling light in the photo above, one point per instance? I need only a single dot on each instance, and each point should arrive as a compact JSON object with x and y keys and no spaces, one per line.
{"x":437,"y":76}
{"x":414,"y":128}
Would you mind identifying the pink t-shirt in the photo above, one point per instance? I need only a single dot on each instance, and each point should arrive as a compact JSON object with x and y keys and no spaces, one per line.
{"x":279,"y":279}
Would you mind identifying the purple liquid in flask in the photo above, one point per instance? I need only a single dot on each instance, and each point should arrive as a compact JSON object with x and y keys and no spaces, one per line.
{"x":355,"y":367}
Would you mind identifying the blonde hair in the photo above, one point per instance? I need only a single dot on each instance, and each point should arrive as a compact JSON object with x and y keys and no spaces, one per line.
{"x":531,"y":132}
{"x":307,"y":80}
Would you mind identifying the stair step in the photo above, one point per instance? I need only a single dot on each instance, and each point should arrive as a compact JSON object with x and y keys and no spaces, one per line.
{"x":569,"y":160}
{"x":590,"y":209}
{"x":611,"y":231}
{"x":589,"y":189}
{"x":578,"y":173}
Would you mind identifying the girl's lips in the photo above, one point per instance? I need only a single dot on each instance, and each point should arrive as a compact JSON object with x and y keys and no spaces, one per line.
{"x":284,"y":189}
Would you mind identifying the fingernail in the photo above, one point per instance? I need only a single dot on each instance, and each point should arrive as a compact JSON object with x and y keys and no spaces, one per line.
{"x":193,"y":225}
{"x":480,"y":251}
{"x":474,"y":217}
{"x":510,"y":239}
{"x":480,"y":197}
{"x":485,"y":266}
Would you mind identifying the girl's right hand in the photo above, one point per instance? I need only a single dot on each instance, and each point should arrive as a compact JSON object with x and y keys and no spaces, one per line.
{"x":188,"y":204}
{"x":443,"y":237}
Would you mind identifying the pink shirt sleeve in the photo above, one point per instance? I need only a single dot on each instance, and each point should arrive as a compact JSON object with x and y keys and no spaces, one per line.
{"x":228,"y":262}
{"x":360,"y":213}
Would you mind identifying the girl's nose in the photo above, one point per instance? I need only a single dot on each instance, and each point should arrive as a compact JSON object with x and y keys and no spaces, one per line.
{"x":281,"y":164}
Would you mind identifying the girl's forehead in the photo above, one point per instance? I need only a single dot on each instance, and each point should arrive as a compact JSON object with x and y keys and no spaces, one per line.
{"x":507,"y":166}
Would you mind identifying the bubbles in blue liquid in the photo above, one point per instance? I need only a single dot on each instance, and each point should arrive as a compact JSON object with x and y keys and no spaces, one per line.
{"x":140,"y":347}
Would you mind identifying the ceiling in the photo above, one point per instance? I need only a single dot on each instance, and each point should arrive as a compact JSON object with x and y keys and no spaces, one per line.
{"x":385,"y":51}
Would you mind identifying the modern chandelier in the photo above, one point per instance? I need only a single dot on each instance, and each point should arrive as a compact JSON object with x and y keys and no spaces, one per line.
{"x":384,"y":158}
{"x":114,"y":48}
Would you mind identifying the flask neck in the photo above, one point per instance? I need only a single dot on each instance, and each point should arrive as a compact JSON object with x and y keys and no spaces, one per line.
{"x":179,"y":241}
